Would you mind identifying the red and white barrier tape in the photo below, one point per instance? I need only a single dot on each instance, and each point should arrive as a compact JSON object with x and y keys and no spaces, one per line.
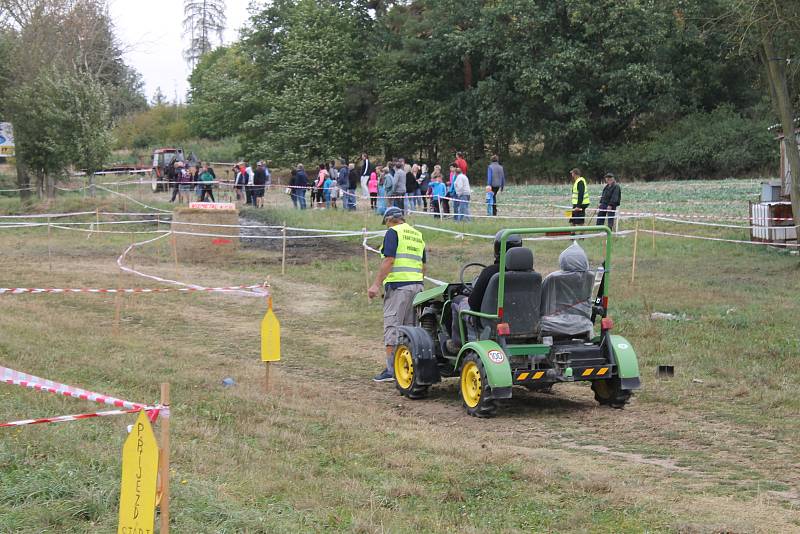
{"x":17,"y":378}
{"x":127,"y":290}
{"x":152,"y":412}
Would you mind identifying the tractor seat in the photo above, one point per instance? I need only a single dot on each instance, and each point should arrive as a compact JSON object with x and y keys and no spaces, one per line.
{"x":523,"y":293}
{"x":566,"y":306}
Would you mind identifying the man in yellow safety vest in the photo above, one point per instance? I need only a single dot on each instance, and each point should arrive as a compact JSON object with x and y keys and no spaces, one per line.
{"x":401,"y":274}
{"x":580,"y":198}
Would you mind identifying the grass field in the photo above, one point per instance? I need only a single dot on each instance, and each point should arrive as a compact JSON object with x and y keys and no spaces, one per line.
{"x":714,"y":449}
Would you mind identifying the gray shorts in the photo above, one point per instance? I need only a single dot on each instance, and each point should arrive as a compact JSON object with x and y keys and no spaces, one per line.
{"x":398,"y":310}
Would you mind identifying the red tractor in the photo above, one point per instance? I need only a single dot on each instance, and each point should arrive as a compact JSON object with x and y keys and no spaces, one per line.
{"x":164,"y":167}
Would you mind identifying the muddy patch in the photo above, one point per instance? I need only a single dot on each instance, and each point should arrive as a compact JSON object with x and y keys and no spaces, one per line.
{"x":299,"y":251}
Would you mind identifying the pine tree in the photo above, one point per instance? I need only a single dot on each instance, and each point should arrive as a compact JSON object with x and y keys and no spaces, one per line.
{"x":202,"y":19}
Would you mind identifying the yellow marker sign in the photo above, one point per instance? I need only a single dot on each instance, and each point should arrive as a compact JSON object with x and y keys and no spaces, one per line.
{"x":137,"y":497}
{"x":568,"y":214}
{"x":270,"y":336}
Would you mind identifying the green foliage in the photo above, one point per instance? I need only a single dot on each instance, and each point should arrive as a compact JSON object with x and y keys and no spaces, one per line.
{"x":218,"y":94}
{"x":700,"y":145}
{"x":553,"y":84}
{"x":44,"y":139}
{"x":308,"y":61}
{"x":159,"y":125}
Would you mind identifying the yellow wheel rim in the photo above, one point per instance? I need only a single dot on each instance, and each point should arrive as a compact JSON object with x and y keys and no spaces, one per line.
{"x":403,"y":367}
{"x":471,"y":384}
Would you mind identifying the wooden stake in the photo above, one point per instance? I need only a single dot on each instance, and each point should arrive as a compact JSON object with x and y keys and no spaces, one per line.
{"x":133,"y":249}
{"x":160,"y":246}
{"x":117,"y":310}
{"x":654,"y":235}
{"x":175,"y":254}
{"x":267,"y":381}
{"x":49,"y":250}
{"x":635,"y":243}
{"x":164,"y":460}
{"x":283,"y":255}
{"x":117,"y":304}
{"x":366,"y":263}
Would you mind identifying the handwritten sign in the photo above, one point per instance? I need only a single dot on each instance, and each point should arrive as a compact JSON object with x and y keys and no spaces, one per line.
{"x":137,"y":498}
{"x":270,"y":336}
{"x":212,"y":205}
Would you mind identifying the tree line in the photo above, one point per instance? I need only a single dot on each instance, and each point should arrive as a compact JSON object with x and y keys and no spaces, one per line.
{"x":648,"y":88}
{"x":63,"y":84}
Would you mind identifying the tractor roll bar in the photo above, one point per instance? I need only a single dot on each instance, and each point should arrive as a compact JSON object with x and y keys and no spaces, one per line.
{"x":498,"y":315}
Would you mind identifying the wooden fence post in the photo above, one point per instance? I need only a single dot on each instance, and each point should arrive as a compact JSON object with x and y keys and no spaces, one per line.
{"x":654,"y":235}
{"x":164,"y":460}
{"x":366,"y":261}
{"x":635,"y":243}
{"x":49,"y":250}
{"x":283,"y":254}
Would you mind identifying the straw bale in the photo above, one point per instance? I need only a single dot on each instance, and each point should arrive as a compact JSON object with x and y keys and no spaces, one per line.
{"x":205,"y":248}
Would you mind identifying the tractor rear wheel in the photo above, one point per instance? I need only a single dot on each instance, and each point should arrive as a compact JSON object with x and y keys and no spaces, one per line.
{"x":610,"y":393}
{"x":404,"y":376}
{"x":475,"y":387}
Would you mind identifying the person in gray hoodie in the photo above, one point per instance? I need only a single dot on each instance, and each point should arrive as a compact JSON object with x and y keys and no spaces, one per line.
{"x":399,"y":182}
{"x":496,"y":179}
{"x":566,"y":305}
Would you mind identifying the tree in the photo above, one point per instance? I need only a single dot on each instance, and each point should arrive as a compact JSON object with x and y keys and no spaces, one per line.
{"x":219,"y":97}
{"x":159,"y":98}
{"x":770,"y":29}
{"x":62,"y":58}
{"x":202,"y":19}
{"x":307,"y":79}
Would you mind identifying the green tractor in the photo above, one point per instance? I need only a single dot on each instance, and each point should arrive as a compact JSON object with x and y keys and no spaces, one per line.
{"x":519,"y":337}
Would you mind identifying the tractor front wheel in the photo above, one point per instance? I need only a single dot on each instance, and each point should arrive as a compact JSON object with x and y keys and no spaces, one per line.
{"x":610,"y":393}
{"x":475,"y":387}
{"x":404,"y":376}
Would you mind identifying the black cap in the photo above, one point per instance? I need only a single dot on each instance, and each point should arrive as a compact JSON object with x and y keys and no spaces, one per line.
{"x":393,"y":213}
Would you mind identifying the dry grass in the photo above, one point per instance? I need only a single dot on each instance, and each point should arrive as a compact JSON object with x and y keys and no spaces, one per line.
{"x":328,"y":450}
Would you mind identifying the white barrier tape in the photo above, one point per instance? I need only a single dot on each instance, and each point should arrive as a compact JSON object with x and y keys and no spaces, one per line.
{"x":740,"y":241}
{"x":471,"y":215}
{"x":132,"y":199}
{"x":253,"y":291}
{"x":17,"y":190}
{"x":50,"y":215}
{"x":717,"y":225}
{"x":124,"y":232}
{"x":17,"y":378}
{"x":459,"y":234}
{"x":228,"y":236}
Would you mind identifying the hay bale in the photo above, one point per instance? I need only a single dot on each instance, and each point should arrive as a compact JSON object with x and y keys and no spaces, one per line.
{"x":192,"y":248}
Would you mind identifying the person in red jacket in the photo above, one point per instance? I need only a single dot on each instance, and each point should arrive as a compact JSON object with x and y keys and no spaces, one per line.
{"x":461,"y":162}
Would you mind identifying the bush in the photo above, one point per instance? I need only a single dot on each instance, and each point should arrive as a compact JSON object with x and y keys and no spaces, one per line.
{"x":159,"y":125}
{"x":702,"y":145}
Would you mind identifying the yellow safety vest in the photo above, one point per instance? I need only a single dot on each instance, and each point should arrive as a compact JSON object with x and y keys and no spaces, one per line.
{"x":407,"y":265}
{"x":575,"y":192}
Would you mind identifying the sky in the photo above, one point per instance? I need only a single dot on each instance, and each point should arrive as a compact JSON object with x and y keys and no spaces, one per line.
{"x":151,"y":33}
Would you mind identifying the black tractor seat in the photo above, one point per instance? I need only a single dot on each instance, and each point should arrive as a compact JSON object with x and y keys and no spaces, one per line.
{"x":522,"y":299}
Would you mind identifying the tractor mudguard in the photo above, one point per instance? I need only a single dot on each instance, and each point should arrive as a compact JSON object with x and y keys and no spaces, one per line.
{"x":426,"y":369}
{"x":627,"y":363}
{"x":495,"y":362}
{"x":429,"y":294}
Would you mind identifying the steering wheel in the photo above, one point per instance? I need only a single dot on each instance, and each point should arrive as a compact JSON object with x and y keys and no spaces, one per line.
{"x":464,"y":269}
